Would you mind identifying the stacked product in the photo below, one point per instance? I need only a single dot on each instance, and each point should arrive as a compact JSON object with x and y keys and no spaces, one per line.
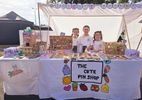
{"x":132,"y":53}
{"x":11,"y":52}
{"x":32,"y":47}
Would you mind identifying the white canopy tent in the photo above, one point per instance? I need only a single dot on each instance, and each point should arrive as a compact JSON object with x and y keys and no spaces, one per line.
{"x":111,"y":21}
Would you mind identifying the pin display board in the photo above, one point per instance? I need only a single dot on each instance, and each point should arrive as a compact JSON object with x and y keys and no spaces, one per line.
{"x":60,"y":42}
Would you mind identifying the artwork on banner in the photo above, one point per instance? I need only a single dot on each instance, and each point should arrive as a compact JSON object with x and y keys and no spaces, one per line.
{"x":15,"y":71}
{"x":86,"y":76}
{"x":60,"y":42}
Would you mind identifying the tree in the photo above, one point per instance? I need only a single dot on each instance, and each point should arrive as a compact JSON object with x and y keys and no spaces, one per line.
{"x":110,"y":1}
{"x":122,"y":1}
{"x":136,"y":1}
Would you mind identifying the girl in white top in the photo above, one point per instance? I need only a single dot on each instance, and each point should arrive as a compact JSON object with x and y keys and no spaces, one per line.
{"x":98,"y":45}
{"x":75,"y":34}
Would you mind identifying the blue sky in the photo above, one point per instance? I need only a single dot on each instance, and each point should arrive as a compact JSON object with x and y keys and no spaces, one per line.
{"x":25,"y":8}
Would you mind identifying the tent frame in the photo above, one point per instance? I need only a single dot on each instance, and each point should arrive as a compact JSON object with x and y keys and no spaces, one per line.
{"x":140,"y":41}
{"x":123,"y":18}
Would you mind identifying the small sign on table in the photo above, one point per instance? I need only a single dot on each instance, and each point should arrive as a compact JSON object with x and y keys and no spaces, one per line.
{"x":87,"y":71}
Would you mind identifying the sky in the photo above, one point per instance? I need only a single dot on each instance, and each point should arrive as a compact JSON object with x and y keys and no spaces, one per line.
{"x":25,"y":8}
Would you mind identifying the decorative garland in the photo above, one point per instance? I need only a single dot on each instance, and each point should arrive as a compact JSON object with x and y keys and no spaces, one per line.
{"x":92,"y":6}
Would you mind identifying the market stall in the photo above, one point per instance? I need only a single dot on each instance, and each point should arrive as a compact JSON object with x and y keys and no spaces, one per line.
{"x":115,"y":80}
{"x":63,"y":17}
{"x":55,"y":70}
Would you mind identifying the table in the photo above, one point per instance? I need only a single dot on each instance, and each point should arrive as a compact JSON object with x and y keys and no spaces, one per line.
{"x":20,"y":77}
{"x":124,"y":81}
{"x":46,"y":77}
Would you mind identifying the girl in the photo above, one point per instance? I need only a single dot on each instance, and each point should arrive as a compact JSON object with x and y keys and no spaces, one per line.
{"x":98,"y":45}
{"x":75,"y":34}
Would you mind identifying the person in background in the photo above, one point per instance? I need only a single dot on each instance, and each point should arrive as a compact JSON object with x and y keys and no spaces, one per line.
{"x":85,"y":40}
{"x":75,"y":35}
{"x":122,"y":38}
{"x":98,"y":44}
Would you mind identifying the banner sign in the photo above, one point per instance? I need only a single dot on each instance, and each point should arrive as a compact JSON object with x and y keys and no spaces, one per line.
{"x":87,"y":71}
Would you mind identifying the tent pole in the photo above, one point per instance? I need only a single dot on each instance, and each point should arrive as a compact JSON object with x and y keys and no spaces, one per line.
{"x":39,"y":22}
{"x":127,"y":32}
{"x":48,"y":34}
{"x":139,"y":41}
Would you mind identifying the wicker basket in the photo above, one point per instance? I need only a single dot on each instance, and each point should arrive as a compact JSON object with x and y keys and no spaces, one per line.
{"x":114,"y":48}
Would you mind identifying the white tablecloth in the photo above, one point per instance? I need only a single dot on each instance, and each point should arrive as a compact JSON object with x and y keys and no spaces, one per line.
{"x":124,"y":82}
{"x":45,"y":77}
{"x":20,"y":77}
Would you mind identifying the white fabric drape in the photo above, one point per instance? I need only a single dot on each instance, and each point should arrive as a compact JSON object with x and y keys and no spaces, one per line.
{"x":129,"y":15}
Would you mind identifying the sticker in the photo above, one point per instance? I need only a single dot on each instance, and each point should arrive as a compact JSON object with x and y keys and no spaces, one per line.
{"x":66,"y":70}
{"x":106,"y":69}
{"x":105,"y":88}
{"x":74,"y":86}
{"x":107,"y":61}
{"x":67,"y":88}
{"x":95,"y":88}
{"x":106,"y":78}
{"x":66,"y":80}
{"x":83,"y":87}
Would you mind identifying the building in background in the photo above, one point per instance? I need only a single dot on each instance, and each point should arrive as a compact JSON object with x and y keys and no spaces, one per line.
{"x":10,"y":24}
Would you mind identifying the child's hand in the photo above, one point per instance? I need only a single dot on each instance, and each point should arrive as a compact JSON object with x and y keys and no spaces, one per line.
{"x":90,"y":47}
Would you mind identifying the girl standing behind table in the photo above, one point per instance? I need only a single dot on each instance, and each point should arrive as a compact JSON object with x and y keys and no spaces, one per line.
{"x":75,"y":35}
{"x":98,"y":45}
